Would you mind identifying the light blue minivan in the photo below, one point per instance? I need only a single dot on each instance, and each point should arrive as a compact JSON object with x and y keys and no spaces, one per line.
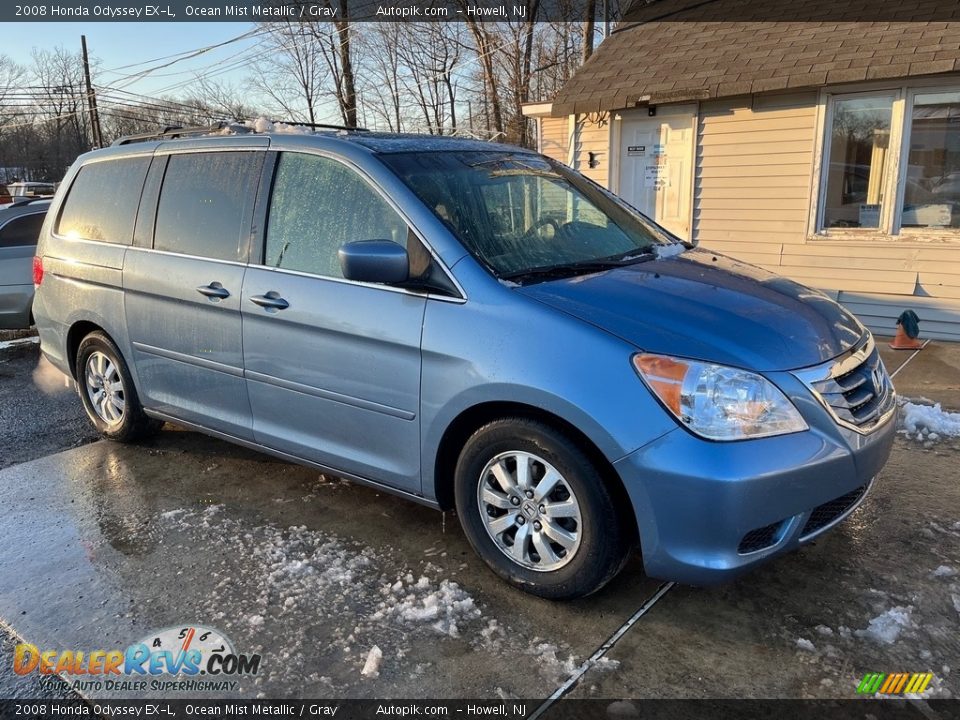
{"x":472,"y":326}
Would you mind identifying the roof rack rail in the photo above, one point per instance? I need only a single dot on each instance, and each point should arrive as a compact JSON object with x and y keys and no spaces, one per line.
{"x":173,"y":131}
{"x":176,"y":131}
{"x":322,"y":126}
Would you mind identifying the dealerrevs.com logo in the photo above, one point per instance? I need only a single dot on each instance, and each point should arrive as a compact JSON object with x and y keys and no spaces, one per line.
{"x":188,"y":658}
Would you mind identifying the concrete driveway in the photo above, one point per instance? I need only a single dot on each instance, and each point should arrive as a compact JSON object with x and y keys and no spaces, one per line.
{"x":106,"y":544}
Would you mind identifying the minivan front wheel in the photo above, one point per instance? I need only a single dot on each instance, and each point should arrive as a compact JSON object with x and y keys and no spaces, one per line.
{"x":107,"y":391}
{"x":537,"y":510}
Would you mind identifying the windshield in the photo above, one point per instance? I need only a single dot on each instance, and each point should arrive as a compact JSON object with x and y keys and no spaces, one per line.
{"x":519,"y":212}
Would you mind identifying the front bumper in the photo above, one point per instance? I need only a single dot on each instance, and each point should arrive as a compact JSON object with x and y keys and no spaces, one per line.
{"x":709,"y":511}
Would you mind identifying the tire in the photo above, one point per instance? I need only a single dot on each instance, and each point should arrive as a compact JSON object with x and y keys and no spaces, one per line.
{"x":116,"y":412}
{"x":581,"y":546}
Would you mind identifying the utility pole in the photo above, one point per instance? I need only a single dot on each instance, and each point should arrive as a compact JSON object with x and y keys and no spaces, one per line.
{"x":91,"y":98}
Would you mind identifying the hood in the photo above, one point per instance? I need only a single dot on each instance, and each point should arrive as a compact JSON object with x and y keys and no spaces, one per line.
{"x":705,"y":306}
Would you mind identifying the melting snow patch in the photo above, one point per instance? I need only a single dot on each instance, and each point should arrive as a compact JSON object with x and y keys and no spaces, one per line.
{"x":371,"y":668}
{"x":805,"y":644}
{"x":423,"y":602}
{"x":930,"y":423}
{"x":944,"y":571}
{"x":172,"y":513}
{"x":886,"y":628}
{"x":551,"y":666}
{"x":823,"y":630}
{"x":669,"y":251}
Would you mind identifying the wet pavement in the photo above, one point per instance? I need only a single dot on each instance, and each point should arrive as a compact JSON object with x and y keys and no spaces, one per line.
{"x":106,"y":544}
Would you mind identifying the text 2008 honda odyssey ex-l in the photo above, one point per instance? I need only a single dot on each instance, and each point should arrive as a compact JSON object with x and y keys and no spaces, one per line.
{"x":472,"y":326}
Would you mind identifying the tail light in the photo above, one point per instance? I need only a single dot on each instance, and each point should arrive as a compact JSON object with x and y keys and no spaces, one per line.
{"x":37,"y":270}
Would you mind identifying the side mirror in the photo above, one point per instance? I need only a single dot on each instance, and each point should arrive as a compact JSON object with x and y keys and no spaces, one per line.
{"x":374,"y":261}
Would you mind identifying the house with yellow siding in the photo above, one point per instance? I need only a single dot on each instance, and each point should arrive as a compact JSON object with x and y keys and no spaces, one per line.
{"x":805,"y":138}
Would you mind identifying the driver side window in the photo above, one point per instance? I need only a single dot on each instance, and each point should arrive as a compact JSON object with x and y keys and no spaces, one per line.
{"x":318,"y":205}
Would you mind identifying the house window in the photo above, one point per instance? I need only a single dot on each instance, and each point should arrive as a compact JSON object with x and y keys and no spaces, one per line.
{"x":859,"y":156}
{"x":891,"y":162}
{"x":931,"y":195}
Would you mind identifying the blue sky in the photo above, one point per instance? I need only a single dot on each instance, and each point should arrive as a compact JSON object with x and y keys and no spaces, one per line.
{"x":119,"y":44}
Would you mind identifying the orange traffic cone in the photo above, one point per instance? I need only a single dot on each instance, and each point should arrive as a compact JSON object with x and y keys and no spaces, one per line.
{"x":908,"y":332}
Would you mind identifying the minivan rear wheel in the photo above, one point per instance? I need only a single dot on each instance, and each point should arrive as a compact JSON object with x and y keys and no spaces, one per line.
{"x":537,"y":510}
{"x":107,"y":391}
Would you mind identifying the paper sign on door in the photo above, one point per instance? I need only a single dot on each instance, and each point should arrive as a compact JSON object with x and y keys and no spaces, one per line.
{"x":655,"y":176}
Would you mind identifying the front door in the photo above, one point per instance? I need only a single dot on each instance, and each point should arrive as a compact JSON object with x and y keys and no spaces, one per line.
{"x":332,"y":366}
{"x":656,"y":165}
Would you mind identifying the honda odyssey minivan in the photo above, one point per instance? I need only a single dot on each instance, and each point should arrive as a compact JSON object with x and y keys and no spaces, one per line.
{"x":471,"y":326}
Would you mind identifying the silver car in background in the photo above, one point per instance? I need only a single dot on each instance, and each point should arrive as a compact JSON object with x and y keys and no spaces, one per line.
{"x":20,"y":226}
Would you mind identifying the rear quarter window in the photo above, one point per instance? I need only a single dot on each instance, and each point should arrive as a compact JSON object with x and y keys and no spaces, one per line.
{"x":103,"y":200}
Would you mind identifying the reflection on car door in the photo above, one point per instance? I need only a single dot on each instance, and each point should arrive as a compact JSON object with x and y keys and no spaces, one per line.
{"x":183,"y":294}
{"x":332,"y":366}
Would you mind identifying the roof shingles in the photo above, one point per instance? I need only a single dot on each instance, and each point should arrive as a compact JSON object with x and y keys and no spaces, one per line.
{"x":679,"y":59}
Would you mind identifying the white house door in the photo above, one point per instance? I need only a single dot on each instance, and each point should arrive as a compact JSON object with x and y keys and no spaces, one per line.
{"x":656,"y":165}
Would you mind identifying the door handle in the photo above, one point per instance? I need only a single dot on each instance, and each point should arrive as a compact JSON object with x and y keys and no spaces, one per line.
{"x":270,"y":301}
{"x":214,"y":291}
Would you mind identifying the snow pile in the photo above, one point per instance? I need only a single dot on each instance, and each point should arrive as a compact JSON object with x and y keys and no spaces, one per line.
{"x":886,"y":628}
{"x":929,"y":422}
{"x":805,"y":644}
{"x":263,"y":125}
{"x":944,"y":571}
{"x":423,"y":602}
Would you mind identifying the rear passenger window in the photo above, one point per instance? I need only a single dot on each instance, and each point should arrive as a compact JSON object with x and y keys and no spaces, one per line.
{"x":205,"y":202}
{"x":102,"y":203}
{"x":318,"y":205}
{"x":23,"y":230}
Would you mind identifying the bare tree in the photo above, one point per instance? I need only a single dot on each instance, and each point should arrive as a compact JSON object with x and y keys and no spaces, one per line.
{"x":292,"y":79}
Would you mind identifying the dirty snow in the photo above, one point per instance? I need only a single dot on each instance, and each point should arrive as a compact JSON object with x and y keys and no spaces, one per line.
{"x":928,"y":423}
{"x":886,"y":628}
{"x":22,"y":341}
{"x":371,"y":668}
{"x":944,"y":571}
{"x":309,"y":584}
{"x":805,"y":644}
{"x":421,"y":602}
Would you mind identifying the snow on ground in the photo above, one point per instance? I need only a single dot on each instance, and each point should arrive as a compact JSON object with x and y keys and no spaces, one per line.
{"x":306,"y":598}
{"x":928,"y":423}
{"x":886,"y":627}
{"x":16,"y":343}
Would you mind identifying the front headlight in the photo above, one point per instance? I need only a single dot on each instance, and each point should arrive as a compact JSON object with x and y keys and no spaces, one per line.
{"x":718,"y":402}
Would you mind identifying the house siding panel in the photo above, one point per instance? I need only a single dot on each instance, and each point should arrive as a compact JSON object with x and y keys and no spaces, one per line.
{"x":554,"y":138}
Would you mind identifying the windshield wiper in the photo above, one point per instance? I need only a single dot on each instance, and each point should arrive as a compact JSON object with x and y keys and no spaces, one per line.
{"x":584,"y":266}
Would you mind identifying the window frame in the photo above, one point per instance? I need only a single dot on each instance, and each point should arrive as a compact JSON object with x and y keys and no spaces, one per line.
{"x":258,"y":246}
{"x":890,"y":230}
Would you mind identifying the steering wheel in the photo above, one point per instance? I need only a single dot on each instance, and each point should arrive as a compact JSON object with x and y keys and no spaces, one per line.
{"x":534,"y":230}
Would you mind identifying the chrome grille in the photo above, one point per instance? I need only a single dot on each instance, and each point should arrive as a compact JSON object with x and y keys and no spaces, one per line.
{"x":855,"y":388}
